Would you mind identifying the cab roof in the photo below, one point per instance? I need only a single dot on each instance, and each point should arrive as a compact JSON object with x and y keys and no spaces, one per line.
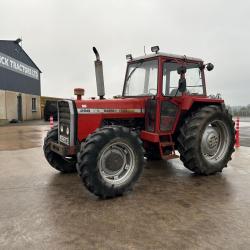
{"x":166,"y":55}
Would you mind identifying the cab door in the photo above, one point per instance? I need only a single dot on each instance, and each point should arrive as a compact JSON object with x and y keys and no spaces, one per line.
{"x":168,"y":107}
{"x":168,"y":115}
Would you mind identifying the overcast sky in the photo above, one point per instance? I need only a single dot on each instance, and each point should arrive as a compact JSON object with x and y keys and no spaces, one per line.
{"x":59,"y":35}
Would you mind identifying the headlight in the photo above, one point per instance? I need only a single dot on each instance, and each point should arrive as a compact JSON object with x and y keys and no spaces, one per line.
{"x":61,"y":128}
{"x":67,"y":131}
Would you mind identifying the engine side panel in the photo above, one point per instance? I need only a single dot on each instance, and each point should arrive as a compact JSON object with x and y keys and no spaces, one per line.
{"x":92,"y":113}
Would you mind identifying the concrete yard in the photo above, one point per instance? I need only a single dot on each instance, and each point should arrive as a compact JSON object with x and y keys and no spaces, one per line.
{"x":169,"y":208}
{"x":245,"y":131}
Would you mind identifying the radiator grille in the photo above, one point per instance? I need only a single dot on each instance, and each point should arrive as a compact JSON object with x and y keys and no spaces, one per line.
{"x":64,"y":121}
{"x":64,"y":112}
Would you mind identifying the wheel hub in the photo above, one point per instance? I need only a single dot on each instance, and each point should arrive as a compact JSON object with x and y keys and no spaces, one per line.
{"x":116,"y":163}
{"x":215,"y":141}
{"x":113,"y":160}
{"x":210,"y":140}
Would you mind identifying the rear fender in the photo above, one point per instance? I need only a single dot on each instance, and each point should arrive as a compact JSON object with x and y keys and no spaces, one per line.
{"x":188,"y":103}
{"x":188,"y":108}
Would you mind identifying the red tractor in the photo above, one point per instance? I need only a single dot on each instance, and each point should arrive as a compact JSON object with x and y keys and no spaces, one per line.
{"x":164,"y":107}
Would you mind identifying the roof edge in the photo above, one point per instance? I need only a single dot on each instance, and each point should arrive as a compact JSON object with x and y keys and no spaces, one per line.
{"x":167,"y":55}
{"x":14,"y":41}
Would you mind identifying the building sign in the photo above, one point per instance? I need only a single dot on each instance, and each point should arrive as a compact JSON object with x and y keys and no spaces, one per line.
{"x":10,"y":63}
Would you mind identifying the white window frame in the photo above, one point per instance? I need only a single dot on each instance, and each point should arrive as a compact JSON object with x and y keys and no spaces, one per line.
{"x":34,"y":104}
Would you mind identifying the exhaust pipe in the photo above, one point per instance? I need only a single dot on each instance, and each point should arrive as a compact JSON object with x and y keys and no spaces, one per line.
{"x":99,"y":75}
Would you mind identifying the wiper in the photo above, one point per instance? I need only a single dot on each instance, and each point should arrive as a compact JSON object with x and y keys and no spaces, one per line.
{"x":132,"y":72}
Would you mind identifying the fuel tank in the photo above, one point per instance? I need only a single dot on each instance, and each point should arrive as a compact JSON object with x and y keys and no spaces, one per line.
{"x":91,"y":113}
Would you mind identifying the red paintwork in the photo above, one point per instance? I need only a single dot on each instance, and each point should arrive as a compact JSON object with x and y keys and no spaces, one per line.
{"x":187,"y":101}
{"x":87,"y":123}
{"x":148,"y":136}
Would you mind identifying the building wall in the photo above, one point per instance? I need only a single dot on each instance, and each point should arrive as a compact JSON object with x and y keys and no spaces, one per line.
{"x":15,"y":82}
{"x":27,"y":107}
{"x":2,"y":105}
{"x":9,"y":106}
{"x":13,"y":57}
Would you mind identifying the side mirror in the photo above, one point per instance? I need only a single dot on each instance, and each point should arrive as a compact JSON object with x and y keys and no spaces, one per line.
{"x":182,"y":85}
{"x":210,"y":66}
{"x":181,"y":70}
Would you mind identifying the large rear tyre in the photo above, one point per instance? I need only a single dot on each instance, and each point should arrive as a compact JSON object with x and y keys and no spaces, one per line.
{"x":110,"y":161}
{"x":153,"y":152}
{"x":206,"y":140}
{"x":64,"y":165}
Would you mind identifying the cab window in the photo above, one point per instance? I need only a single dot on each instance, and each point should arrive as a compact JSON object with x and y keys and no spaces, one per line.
{"x":171,"y":78}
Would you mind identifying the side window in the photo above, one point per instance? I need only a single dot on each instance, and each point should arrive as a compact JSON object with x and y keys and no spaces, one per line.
{"x":150,"y":86}
{"x":194,"y":80}
{"x":34,"y":104}
{"x":170,"y":78}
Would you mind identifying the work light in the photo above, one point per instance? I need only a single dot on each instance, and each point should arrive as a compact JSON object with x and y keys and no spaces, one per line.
{"x":155,"y":49}
{"x":129,"y":57}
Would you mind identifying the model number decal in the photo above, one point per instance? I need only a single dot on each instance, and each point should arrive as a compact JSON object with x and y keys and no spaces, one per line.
{"x":107,"y":110}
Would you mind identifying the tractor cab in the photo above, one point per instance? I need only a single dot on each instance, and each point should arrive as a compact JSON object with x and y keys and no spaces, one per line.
{"x":164,"y":75}
{"x":168,"y":81}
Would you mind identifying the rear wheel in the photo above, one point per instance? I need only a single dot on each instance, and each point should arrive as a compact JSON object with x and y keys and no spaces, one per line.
{"x":65,"y":165}
{"x":206,"y":140}
{"x":110,"y":161}
{"x":153,"y":152}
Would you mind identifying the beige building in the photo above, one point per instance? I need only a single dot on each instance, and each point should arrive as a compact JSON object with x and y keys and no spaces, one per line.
{"x":10,"y":107}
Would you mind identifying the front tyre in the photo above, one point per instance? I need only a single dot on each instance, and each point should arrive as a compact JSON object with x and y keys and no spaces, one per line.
{"x":206,"y":140}
{"x":64,"y":165}
{"x":110,"y":161}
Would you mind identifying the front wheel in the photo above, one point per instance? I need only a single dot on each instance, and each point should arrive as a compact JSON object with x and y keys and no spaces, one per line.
{"x":110,"y":161}
{"x":64,"y":165}
{"x":206,"y":140}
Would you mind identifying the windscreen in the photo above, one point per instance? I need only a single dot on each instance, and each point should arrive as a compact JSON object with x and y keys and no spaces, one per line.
{"x":141,"y":79}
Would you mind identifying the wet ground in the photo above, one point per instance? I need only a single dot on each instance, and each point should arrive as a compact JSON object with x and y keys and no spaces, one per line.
{"x":245,"y":131}
{"x":169,"y":208}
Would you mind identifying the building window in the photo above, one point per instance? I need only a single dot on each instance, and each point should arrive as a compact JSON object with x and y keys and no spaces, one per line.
{"x":33,"y":104}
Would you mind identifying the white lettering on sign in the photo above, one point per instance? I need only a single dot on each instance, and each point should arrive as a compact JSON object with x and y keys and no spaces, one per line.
{"x":10,"y":63}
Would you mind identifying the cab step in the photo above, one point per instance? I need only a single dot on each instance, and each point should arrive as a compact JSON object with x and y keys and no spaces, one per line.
{"x":167,"y":148}
{"x":170,"y":157}
{"x":167,"y":143}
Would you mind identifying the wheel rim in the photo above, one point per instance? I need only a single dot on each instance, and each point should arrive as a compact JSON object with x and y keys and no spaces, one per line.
{"x":215,"y":141}
{"x":116,"y":163}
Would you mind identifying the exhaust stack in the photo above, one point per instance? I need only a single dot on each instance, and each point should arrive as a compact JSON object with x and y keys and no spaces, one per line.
{"x":99,"y":75}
